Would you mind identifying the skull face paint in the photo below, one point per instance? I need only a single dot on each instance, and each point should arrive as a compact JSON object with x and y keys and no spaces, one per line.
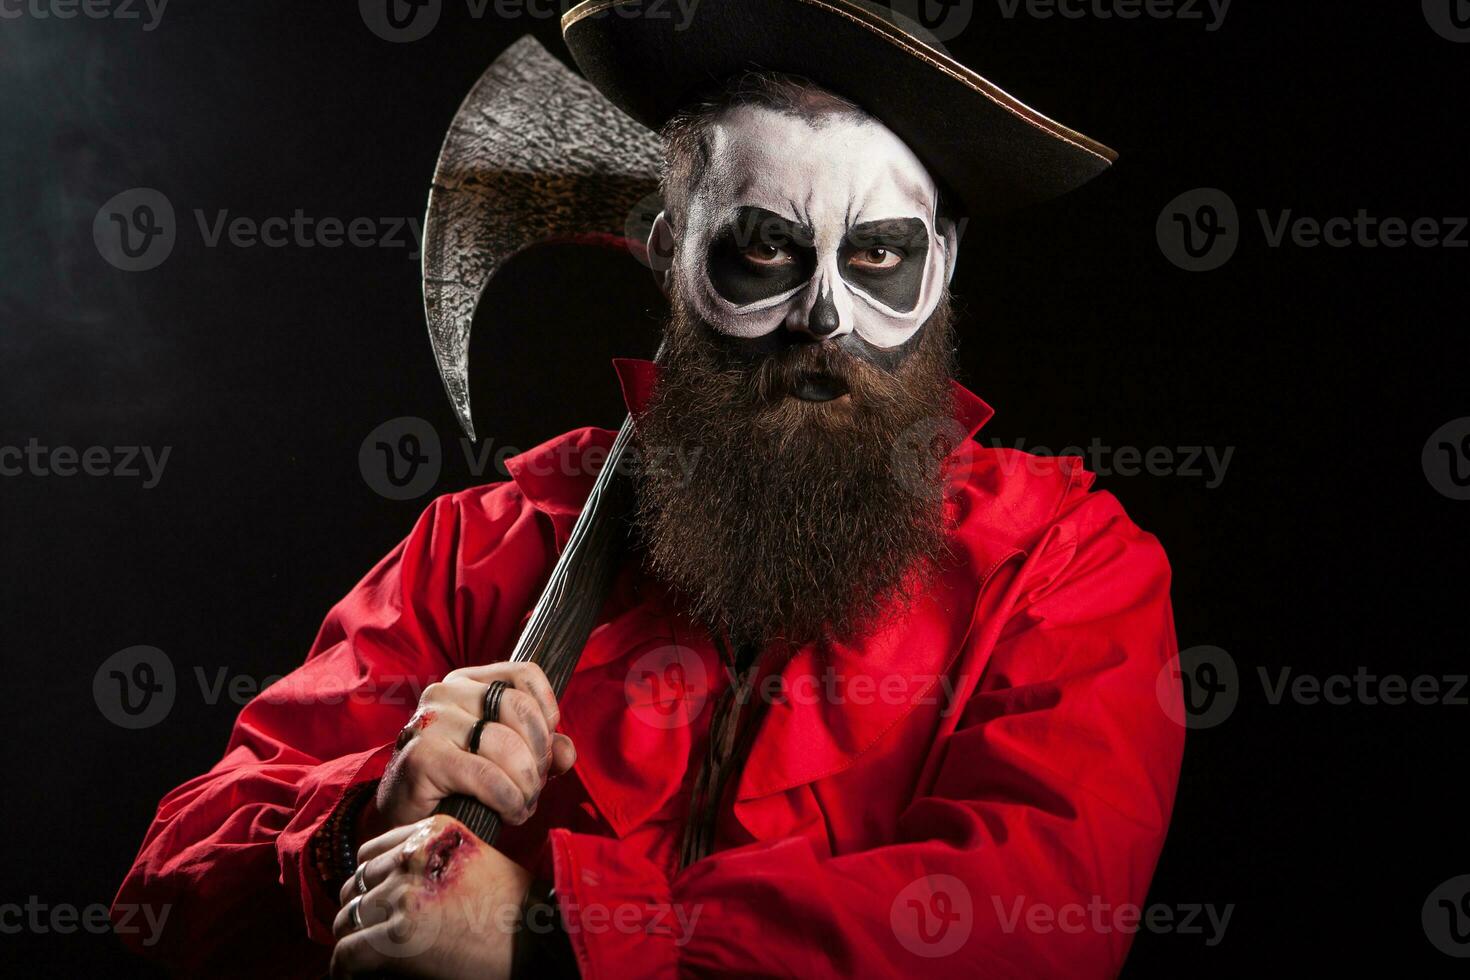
{"x":825,"y":224}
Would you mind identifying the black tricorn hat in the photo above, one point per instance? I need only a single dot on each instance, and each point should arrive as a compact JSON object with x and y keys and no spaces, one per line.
{"x":983,"y":146}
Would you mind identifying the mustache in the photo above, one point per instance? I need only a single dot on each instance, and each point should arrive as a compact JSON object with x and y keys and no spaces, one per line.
{"x":777,"y":375}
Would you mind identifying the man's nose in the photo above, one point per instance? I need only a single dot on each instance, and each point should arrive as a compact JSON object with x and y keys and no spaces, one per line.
{"x":822,"y":320}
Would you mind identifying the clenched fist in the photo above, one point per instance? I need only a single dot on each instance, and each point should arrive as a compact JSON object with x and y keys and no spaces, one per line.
{"x":516,"y":754}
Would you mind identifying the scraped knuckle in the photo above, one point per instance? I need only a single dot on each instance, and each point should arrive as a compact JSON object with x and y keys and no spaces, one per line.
{"x":441,"y":822}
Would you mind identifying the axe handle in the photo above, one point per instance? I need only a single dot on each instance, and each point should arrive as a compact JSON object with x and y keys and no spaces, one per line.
{"x":569,"y":605}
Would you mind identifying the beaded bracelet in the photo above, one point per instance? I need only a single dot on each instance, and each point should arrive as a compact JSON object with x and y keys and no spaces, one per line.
{"x":335,"y":845}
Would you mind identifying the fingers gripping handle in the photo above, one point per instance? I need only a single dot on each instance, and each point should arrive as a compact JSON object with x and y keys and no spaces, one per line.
{"x":569,"y":605}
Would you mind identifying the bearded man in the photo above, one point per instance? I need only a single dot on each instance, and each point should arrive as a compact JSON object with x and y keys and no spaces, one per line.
{"x":847,"y":708}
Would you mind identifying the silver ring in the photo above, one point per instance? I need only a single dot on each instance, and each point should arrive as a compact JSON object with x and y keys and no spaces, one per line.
{"x":361,"y":878}
{"x":354,"y":912}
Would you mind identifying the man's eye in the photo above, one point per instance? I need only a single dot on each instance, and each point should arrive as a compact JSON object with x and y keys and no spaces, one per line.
{"x":875,"y":259}
{"x":764,"y":255}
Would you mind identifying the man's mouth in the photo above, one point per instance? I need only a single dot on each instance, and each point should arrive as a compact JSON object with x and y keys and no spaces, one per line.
{"x":819,"y":388}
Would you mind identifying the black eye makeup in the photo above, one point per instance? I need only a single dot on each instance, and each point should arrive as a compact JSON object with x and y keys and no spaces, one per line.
{"x":885,"y":259}
{"x":759,"y":255}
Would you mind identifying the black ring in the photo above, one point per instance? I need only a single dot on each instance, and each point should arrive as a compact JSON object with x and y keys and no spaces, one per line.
{"x":493,"y":694}
{"x":475,"y":733}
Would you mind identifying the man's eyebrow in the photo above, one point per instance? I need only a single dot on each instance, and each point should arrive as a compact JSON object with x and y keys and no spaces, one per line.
{"x":803,"y":219}
{"x":765,"y":214}
{"x":750,"y":218}
{"x":889,"y":230}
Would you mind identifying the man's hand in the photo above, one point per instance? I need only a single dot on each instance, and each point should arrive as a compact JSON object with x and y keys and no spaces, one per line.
{"x":516,"y":754}
{"x":439,"y":903}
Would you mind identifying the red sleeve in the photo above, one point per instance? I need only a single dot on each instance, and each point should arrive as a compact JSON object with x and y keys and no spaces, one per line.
{"x":1019,"y":859}
{"x":230,"y":853}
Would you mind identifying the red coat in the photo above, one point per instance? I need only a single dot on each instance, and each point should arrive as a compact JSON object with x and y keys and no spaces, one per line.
{"x":958,"y":795}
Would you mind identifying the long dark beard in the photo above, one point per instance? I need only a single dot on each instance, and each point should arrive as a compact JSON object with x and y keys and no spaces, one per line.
{"x":797,"y":520}
{"x":794,"y":522}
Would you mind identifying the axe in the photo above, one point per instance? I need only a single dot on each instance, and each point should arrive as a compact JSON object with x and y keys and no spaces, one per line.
{"x":535,"y":154}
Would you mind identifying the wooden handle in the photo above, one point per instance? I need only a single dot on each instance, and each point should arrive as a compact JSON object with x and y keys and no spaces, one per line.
{"x":567,"y":610}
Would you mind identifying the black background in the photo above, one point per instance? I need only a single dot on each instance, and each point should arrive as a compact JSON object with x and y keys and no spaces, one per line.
{"x":1324,"y":549}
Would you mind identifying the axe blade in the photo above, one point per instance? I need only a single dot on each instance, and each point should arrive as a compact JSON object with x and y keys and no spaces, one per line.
{"x":534,"y":154}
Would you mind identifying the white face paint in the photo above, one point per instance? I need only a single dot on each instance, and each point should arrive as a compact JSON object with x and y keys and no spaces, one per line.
{"x":825,"y":224}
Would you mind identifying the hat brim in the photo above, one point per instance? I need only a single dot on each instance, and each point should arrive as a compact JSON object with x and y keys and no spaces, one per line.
{"x":985,"y":147}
